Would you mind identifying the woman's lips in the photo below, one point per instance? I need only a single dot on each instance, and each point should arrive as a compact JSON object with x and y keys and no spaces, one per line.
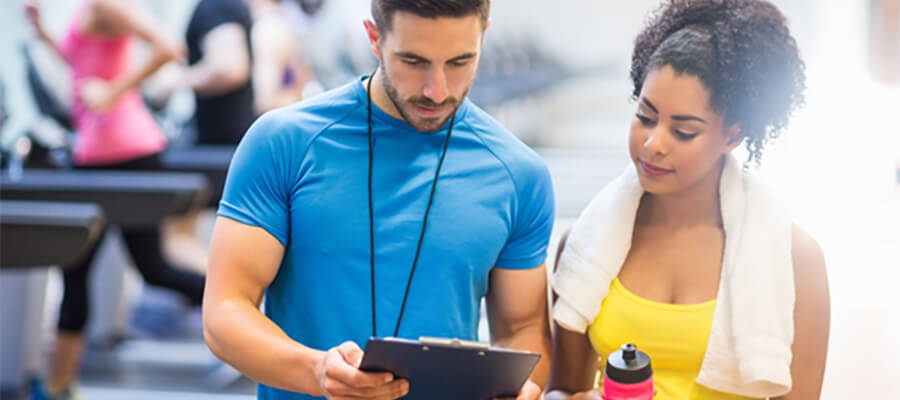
{"x":653,"y":170}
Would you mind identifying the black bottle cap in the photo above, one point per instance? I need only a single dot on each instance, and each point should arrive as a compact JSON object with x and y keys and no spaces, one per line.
{"x":628,"y":365}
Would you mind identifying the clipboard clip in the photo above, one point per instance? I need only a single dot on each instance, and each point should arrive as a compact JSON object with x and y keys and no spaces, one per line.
{"x":454,"y":343}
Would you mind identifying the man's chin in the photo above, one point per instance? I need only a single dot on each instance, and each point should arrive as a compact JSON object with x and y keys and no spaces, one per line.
{"x":428,"y":125}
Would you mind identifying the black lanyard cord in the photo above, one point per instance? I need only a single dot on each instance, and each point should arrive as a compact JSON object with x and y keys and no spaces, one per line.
{"x":437,"y":174}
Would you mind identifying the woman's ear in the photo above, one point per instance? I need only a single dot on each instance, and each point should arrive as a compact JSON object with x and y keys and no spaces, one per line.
{"x":735,"y":137}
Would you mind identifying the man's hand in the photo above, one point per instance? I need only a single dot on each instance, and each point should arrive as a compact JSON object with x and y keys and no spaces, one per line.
{"x":529,"y":391}
{"x":169,"y":78}
{"x":339,"y":377}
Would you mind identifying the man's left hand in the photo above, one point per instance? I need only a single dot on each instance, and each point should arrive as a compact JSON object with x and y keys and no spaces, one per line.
{"x":530,"y":391}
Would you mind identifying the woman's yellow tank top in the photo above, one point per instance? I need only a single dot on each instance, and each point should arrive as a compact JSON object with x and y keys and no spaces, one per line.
{"x":673,"y":335}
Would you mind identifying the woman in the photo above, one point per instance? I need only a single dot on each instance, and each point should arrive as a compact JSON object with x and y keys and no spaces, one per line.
{"x":718,"y":321}
{"x":114,"y":131}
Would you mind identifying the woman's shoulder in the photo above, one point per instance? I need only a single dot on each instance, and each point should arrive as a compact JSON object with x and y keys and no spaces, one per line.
{"x":107,"y":9}
{"x":810,"y":275}
{"x":805,"y":250}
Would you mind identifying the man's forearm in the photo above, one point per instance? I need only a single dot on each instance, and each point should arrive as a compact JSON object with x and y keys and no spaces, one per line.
{"x":240,"y":335}
{"x":207,"y":80}
{"x":536,"y":338}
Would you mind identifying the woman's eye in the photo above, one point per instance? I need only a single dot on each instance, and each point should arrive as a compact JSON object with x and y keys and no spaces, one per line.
{"x":644,"y":120}
{"x":684,"y":135}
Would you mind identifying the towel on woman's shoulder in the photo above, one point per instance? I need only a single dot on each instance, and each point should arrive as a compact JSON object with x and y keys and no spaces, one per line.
{"x":749,"y":350}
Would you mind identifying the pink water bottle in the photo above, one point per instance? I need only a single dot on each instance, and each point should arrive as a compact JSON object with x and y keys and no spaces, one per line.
{"x":628,"y":375}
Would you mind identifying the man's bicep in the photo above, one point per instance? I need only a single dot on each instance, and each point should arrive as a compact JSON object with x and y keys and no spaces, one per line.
{"x":225,"y":49}
{"x":243,"y":261}
{"x":517,"y":298}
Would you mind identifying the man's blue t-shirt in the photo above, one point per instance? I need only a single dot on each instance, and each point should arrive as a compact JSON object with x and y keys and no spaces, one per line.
{"x":301,"y":173}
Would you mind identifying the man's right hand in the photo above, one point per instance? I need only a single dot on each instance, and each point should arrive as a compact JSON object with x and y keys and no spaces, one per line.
{"x":339,"y":377}
{"x":164,"y":82}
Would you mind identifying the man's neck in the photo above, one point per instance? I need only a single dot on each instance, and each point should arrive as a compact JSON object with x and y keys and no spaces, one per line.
{"x":379,"y":96}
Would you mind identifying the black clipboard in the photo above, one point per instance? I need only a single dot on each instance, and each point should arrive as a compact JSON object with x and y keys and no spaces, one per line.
{"x":450,"y":369}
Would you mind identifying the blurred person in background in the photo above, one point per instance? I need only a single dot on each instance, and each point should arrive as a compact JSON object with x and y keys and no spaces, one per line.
{"x":280,"y":73}
{"x":330,"y":40}
{"x":219,"y":71}
{"x":114,"y":131}
{"x":311,"y":7}
{"x":3,"y":114}
{"x":717,"y":285}
{"x":296,"y":230}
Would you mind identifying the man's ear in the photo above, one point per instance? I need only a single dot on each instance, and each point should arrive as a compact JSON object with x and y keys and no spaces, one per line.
{"x":374,"y":37}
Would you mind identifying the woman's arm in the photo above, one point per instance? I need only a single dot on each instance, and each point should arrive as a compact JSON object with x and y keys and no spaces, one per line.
{"x":574,"y":368}
{"x":118,"y":18}
{"x":812,"y":316}
{"x":33,"y":13}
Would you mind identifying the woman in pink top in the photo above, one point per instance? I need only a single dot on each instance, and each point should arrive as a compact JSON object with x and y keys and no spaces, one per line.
{"x":114,"y":131}
{"x":112,"y":123}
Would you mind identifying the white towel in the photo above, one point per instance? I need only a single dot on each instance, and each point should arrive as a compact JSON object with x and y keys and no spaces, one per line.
{"x":749,"y":350}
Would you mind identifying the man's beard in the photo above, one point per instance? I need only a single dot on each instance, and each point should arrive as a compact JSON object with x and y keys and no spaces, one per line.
{"x":425,"y":125}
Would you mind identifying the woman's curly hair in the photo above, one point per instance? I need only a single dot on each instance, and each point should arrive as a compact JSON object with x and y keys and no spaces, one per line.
{"x":741,"y":50}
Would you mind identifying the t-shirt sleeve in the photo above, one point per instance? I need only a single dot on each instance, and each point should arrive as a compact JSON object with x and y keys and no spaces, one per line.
{"x":218,"y":13}
{"x":533,"y":219}
{"x":259,"y":182}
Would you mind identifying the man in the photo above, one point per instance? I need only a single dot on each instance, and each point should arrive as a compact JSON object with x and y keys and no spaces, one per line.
{"x":218,"y":71}
{"x":387,"y":207}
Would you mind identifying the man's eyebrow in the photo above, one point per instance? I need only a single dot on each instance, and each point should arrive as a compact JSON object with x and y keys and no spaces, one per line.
{"x":414,"y":56}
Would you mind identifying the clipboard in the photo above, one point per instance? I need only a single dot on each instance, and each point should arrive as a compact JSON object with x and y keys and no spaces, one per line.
{"x":450,"y":369}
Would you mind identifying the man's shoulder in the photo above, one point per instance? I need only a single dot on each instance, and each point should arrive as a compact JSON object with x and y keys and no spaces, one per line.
{"x":517,"y":156}
{"x":308,"y":118}
{"x":223,"y":5}
{"x":215,"y":12}
{"x":340,"y":99}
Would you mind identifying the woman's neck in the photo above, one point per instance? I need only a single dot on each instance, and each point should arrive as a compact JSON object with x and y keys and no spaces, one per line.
{"x":697,"y":205}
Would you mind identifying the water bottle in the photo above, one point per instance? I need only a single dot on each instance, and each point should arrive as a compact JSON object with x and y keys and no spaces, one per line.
{"x":628,"y":375}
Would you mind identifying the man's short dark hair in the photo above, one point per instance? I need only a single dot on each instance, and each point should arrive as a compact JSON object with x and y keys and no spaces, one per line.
{"x":383,"y":10}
